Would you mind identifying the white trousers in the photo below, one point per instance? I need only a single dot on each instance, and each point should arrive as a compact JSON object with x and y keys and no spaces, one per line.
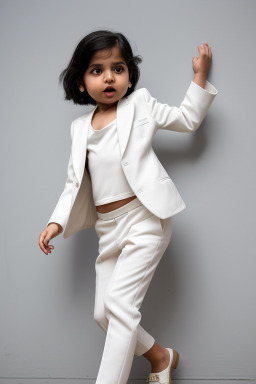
{"x":132,"y":242}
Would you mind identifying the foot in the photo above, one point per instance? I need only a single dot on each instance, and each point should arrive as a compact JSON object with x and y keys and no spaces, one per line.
{"x":164,"y":376}
{"x":160,"y":365}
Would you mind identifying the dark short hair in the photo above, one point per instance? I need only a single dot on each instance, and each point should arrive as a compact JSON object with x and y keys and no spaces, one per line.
{"x":72,"y":76}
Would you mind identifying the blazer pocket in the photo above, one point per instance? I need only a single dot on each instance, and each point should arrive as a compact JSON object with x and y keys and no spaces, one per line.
{"x":140,"y":122}
{"x":165,"y":178}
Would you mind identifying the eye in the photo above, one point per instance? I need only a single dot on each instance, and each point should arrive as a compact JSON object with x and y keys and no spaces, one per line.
{"x":95,"y":69}
{"x":122,"y":69}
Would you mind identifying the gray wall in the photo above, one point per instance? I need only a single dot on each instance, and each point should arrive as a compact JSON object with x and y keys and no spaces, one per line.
{"x":203,"y":292}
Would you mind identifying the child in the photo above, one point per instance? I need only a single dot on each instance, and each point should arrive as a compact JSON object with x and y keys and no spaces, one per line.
{"x":116,"y":182}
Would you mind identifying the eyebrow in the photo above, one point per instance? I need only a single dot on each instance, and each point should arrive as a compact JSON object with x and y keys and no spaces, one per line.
{"x":100,"y":65}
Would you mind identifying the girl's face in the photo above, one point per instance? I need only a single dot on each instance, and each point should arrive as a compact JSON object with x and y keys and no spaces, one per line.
{"x":106,"y":67}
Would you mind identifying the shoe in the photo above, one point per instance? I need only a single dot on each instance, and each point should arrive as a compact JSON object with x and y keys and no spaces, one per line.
{"x":164,"y":377}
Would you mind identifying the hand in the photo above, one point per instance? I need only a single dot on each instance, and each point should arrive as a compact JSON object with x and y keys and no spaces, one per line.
{"x":202,"y":64}
{"x":52,"y":230}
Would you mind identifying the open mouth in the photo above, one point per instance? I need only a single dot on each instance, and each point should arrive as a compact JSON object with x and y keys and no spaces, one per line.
{"x":109,"y":92}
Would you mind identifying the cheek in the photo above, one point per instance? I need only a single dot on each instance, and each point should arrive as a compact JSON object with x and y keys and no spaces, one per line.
{"x":89,"y":79}
{"x":126,"y":76}
{"x":124,"y":81}
{"x":91,"y":85}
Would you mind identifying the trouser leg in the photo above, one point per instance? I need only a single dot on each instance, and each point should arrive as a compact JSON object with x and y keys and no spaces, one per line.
{"x":141,"y":250}
{"x":104,"y":272}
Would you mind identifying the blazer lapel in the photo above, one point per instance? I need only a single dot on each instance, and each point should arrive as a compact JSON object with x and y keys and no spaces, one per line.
{"x":125,"y":113}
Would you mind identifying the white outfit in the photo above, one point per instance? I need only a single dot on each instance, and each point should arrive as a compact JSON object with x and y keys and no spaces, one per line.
{"x":132,"y":238}
{"x":139,"y":117}
{"x":105,"y":165}
{"x":132,"y":242}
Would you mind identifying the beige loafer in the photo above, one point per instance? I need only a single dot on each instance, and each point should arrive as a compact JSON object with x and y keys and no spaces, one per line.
{"x":164,"y":377}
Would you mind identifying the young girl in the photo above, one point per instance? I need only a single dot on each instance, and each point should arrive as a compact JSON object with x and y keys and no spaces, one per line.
{"x":116,"y":182}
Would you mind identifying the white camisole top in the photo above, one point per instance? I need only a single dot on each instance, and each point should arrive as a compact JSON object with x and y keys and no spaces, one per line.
{"x":104,"y":162}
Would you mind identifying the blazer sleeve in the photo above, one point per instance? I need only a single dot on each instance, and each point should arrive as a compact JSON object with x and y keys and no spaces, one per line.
{"x":61,"y":211}
{"x":189,"y":115}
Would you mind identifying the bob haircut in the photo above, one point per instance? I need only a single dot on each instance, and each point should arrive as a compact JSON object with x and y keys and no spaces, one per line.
{"x":72,"y":76}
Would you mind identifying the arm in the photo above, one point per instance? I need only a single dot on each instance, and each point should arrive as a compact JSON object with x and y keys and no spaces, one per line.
{"x":60,"y":228}
{"x":60,"y":213}
{"x":200,"y":79}
{"x":199,"y":96}
{"x":191,"y":112}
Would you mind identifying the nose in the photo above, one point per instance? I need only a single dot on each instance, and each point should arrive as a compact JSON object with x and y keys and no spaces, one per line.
{"x":109,"y":76}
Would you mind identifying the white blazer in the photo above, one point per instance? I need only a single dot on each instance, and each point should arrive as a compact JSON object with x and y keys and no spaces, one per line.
{"x":139,"y":116}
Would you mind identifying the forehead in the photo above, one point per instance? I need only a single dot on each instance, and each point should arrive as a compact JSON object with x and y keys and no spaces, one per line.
{"x":108,"y":54}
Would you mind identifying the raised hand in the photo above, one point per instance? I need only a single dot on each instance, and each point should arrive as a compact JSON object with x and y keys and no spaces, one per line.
{"x":202,"y":64}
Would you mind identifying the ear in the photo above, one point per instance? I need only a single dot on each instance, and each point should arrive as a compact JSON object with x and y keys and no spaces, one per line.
{"x":80,"y":85}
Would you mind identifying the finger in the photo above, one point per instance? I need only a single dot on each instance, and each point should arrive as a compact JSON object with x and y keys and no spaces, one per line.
{"x":194,"y":59}
{"x":41,"y":242}
{"x":49,"y":248}
{"x":41,"y":245}
{"x":202,"y":48}
{"x":203,"y":52}
{"x":207,"y":49}
{"x":46,"y":241}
